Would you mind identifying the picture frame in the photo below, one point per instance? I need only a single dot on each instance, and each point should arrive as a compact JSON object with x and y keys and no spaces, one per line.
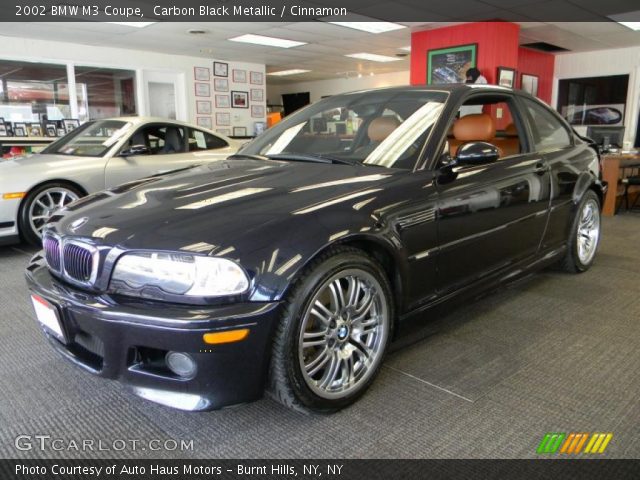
{"x":70,"y":124}
{"x":258,"y":111}
{"x":223,"y":131}
{"x":506,"y":77}
{"x":257,"y":95}
{"x":529,"y":83}
{"x":34,"y":130}
{"x":239,"y":131}
{"x":220,"y":69}
{"x":256,"y":78}
{"x":201,"y":74}
{"x":239,"y":99}
{"x":51,"y":129}
{"x":202,"y":89}
{"x":450,"y":65}
{"x":223,"y":101}
{"x":204,"y":122}
{"x":203,"y":107}
{"x":239,"y":76}
{"x":3,"y":128}
{"x":223,"y":119}
{"x":19,"y":129}
{"x":220,"y":84}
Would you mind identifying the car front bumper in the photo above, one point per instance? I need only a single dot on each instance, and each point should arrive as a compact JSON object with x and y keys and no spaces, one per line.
{"x":126,"y":340}
{"x":9,"y":220}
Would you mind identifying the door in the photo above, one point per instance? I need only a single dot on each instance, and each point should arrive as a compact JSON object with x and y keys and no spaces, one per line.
{"x":493,"y":215}
{"x":164,"y":95}
{"x":162,"y":100}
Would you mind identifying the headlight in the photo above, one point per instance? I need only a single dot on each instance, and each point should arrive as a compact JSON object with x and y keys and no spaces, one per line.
{"x":181,"y":274}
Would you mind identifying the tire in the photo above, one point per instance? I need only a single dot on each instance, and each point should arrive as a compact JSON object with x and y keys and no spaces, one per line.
{"x":40,"y":204}
{"x":343,"y":353}
{"x":584,"y":235}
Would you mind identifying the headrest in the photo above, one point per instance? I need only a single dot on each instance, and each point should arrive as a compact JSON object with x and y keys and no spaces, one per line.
{"x":511,"y":130}
{"x":477,"y":127}
{"x":381,"y":127}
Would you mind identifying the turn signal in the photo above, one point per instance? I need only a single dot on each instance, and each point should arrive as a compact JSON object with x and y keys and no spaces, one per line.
{"x":14,"y":195}
{"x":228,"y":336}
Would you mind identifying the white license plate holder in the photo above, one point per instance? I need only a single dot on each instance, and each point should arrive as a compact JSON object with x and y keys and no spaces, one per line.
{"x":48,"y":317}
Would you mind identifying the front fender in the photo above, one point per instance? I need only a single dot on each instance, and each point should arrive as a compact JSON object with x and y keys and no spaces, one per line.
{"x":587,"y":181}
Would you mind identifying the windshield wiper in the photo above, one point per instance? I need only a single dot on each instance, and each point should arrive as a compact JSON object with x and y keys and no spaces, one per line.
{"x":308,"y":157}
{"x":246,"y":156}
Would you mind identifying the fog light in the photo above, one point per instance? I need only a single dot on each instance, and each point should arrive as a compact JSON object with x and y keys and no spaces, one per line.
{"x":181,"y":364}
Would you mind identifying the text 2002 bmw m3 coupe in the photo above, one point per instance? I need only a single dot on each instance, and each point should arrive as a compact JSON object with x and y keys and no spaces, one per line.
{"x":288,"y":266}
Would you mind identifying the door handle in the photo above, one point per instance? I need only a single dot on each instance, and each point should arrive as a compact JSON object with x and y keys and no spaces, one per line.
{"x":541,"y":168}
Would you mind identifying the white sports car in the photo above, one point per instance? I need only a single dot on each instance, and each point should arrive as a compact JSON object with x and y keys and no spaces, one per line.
{"x":98,"y":155}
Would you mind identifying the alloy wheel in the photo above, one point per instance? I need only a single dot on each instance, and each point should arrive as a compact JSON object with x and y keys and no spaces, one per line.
{"x":588,"y":231}
{"x":46,"y":204}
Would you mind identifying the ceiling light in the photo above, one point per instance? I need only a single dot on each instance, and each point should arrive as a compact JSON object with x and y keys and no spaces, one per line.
{"x":294,"y":71}
{"x":406,"y":49}
{"x":268,"y":41}
{"x":623,"y":19}
{"x":371,"y":27}
{"x":133,"y":24}
{"x":372,"y":57}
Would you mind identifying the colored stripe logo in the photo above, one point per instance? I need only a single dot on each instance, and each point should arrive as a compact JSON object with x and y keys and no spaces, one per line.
{"x":573,"y":443}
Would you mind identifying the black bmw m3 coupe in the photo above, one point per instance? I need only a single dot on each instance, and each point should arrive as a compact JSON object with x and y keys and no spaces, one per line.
{"x":287,"y":267}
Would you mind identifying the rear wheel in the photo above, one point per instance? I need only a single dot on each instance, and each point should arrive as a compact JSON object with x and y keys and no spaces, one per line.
{"x":40,"y":204}
{"x":584,"y":236}
{"x":334,"y":333}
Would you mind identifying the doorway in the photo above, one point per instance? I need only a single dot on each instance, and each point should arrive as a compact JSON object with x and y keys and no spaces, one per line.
{"x":162,"y":100}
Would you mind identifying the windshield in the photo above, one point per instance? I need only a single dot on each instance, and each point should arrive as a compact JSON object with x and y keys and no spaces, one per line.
{"x":386,"y":128}
{"x":93,"y":139}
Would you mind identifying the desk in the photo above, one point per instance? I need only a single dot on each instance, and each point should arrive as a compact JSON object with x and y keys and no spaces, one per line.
{"x":611,"y":164}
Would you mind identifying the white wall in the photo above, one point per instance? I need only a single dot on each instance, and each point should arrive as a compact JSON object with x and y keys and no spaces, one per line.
{"x":146,"y":64}
{"x":320,"y":88}
{"x":619,"y":61}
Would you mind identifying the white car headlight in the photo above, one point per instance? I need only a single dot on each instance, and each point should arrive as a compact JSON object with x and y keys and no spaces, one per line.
{"x":181,"y":274}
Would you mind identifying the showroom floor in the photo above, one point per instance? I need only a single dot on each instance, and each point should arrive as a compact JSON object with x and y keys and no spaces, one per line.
{"x":554,"y":353}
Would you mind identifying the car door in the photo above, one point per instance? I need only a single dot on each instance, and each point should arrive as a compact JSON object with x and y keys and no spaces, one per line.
{"x":493,"y":215}
{"x":151,"y":149}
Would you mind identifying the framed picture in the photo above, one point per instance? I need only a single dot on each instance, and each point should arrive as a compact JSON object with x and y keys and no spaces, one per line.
{"x":52,"y":129}
{"x":256,"y":78}
{"x":201,"y":74}
{"x":203,"y":107}
{"x":240,"y":99}
{"x":506,"y":77}
{"x":239,"y":131}
{"x":257,"y":95}
{"x":529,"y":83}
{"x":257,"y":111}
{"x":240,"y":76}
{"x":221,"y":84}
{"x":35,"y":130}
{"x":203,"y":90}
{"x":204,"y":122}
{"x":450,"y":65}
{"x":223,"y":119}
{"x":220,"y":69}
{"x":223,"y":131}
{"x":19,"y":129}
{"x":70,"y":124}
{"x":3,"y":128}
{"x":222,"y":101}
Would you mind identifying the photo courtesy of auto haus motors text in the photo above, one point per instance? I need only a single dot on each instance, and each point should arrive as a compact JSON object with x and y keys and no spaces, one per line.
{"x":320,"y":239}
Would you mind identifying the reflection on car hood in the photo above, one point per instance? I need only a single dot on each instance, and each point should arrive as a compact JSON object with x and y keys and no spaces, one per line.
{"x":219,"y":201}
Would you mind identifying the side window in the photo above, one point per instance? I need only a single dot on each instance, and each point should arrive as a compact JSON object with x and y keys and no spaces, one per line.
{"x":159,"y":139}
{"x":199,"y":140}
{"x":548,"y":131}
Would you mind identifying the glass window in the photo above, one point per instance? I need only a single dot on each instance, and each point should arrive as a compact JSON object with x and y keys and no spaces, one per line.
{"x":199,"y":140}
{"x":93,"y":139}
{"x":548,"y":131}
{"x":105,"y":92}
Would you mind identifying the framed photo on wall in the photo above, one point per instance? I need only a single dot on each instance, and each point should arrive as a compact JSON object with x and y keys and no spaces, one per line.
{"x":450,"y":65}
{"x":3,"y":128}
{"x":223,"y":131}
{"x":257,"y":111}
{"x":203,"y":90}
{"x":70,"y":124}
{"x":221,"y":84}
{"x":256,"y":78}
{"x":204,"y":122}
{"x":220,"y":69}
{"x":223,"y":119}
{"x":240,"y":76}
{"x":529,"y":83}
{"x":35,"y":130}
{"x":506,"y":77}
{"x":222,"y":101}
{"x":257,"y":95}
{"x":239,"y":131}
{"x":52,"y":129}
{"x":201,"y":74}
{"x":19,"y":129}
{"x":239,"y":99}
{"x":203,"y":107}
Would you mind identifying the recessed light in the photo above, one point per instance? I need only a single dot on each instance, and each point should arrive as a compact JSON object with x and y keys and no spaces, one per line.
{"x":623,"y":19}
{"x":371,"y":27}
{"x":293,"y":71}
{"x":372,"y":57}
{"x":268,"y":41}
{"x":133,"y":24}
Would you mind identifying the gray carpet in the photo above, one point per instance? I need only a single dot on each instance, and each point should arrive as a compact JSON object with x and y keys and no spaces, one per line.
{"x":553,"y":353}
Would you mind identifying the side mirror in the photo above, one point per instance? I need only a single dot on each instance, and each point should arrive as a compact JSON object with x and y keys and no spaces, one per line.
{"x":135,"y":150}
{"x":476,"y":153}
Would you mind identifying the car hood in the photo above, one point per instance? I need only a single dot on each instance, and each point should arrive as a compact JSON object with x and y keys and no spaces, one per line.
{"x":218,"y":202}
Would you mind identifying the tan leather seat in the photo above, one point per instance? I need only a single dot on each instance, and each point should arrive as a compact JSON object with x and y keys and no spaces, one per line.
{"x":477,"y":127}
{"x":379,"y":129}
{"x":509,"y":143}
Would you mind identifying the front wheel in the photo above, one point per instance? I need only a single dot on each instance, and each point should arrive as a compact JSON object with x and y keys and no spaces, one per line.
{"x":584,"y":236}
{"x":334,"y":333}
